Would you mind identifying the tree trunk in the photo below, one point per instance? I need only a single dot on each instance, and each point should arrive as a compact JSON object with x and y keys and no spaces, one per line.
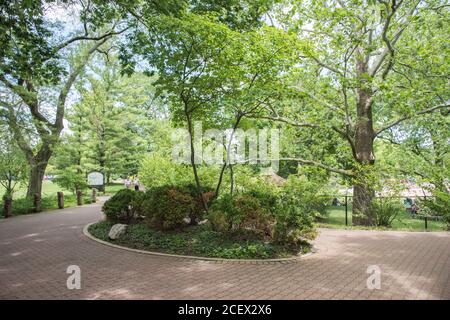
{"x":194,"y":167}
{"x":227,"y":161}
{"x":37,"y":172}
{"x":7,"y":206}
{"x":363,"y":192}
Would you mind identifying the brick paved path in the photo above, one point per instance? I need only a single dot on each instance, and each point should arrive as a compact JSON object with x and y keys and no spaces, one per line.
{"x":35,"y":251}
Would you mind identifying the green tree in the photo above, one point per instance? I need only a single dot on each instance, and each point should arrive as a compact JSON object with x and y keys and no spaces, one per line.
{"x":36,"y":79}
{"x":13,"y":165}
{"x":108,"y":128}
{"x":370,"y":66}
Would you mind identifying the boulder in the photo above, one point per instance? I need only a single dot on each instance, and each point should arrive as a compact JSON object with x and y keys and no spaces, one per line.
{"x":117,"y":230}
{"x":187,"y":220}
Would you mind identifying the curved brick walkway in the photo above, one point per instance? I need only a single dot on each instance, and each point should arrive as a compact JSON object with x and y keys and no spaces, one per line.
{"x":35,"y":251}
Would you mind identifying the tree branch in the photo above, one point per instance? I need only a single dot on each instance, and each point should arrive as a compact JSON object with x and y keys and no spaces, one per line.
{"x":60,"y":108}
{"x":80,"y":38}
{"x":399,"y":120}
{"x":390,"y":44}
{"x":309,"y":163}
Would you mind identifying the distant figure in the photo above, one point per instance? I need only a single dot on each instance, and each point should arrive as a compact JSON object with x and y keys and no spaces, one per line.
{"x":127,"y":183}
{"x":414,"y":209}
{"x":336,"y":202}
{"x":136,"y":183}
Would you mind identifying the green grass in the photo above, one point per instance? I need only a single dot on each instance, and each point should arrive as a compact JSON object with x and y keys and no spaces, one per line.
{"x":404,"y":222}
{"x":113,"y":188}
{"x":196,"y":241}
{"x":49,"y":189}
{"x":22,"y":205}
{"x":25,"y":206}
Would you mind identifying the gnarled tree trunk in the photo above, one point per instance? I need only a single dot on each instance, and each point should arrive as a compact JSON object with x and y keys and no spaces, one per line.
{"x":36,"y":177}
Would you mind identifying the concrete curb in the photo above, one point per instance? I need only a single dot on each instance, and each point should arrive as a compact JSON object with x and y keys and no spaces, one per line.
{"x":250,"y":261}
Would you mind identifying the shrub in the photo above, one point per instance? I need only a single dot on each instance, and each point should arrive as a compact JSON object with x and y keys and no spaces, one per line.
{"x":123,"y":206}
{"x":166,"y":207}
{"x":241,"y":212}
{"x":70,"y":180}
{"x":439,"y":205}
{"x":285,"y":214}
{"x":299,"y":204}
{"x":157,"y":171}
{"x":385,"y":211}
{"x":196,"y":214}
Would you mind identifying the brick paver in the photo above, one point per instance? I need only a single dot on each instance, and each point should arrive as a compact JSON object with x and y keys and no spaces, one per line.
{"x":35,"y":251}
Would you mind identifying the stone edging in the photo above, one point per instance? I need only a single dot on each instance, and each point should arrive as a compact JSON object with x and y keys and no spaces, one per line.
{"x":252,"y":261}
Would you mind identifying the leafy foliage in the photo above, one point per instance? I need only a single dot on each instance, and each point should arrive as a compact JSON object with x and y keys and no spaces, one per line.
{"x":124,"y":206}
{"x":386,"y":211}
{"x":299,"y":204}
{"x":13,"y":165}
{"x":197,"y":241}
{"x":71,"y":180}
{"x":166,"y":207}
{"x":243,"y":211}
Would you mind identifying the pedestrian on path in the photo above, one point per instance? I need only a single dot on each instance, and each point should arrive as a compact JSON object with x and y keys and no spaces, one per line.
{"x":136,"y":183}
{"x":127,"y":183}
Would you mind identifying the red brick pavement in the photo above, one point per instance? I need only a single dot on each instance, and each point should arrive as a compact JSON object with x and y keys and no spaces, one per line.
{"x":35,"y":251}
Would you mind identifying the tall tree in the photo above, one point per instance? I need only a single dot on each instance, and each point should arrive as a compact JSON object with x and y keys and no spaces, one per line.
{"x":108,"y":128}
{"x":370,"y":66}
{"x":31,"y":66}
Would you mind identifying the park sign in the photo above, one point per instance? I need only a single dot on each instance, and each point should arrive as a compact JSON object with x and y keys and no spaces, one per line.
{"x":95,"y":179}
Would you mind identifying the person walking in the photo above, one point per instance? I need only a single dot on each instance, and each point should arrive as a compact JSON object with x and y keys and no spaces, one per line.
{"x":136,"y":183}
{"x":127,"y":183}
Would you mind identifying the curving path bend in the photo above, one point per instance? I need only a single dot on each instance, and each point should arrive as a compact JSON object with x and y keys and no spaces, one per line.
{"x":35,"y":251}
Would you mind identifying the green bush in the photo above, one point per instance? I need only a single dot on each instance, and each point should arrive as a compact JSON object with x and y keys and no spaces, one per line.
{"x":299,"y":204}
{"x":71,"y":180}
{"x":285,"y":214}
{"x":197,"y":212}
{"x":157,"y":171}
{"x":243,"y":211}
{"x":166,"y":207}
{"x":385,"y":211}
{"x":439,"y":205}
{"x":124,"y":206}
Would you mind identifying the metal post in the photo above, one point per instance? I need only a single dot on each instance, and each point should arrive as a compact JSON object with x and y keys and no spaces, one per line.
{"x":426,"y":223}
{"x":346,"y":211}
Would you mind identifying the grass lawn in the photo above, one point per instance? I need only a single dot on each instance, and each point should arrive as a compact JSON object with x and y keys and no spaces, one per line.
{"x":49,"y":189}
{"x":336,"y":219}
{"x":21,"y":205}
{"x":197,"y":241}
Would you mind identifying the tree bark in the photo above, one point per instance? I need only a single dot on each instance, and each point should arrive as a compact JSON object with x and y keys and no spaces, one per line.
{"x":37,"y":172}
{"x":227,"y":161}
{"x":194,"y":167}
{"x":363,"y":193}
{"x":7,"y":206}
